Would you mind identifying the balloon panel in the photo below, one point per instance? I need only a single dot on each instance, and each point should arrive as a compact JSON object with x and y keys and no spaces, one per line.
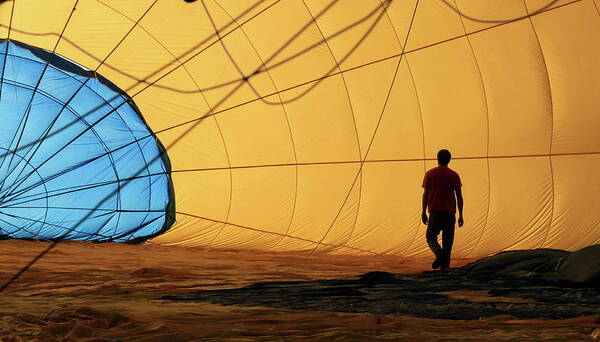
{"x":308,"y":125}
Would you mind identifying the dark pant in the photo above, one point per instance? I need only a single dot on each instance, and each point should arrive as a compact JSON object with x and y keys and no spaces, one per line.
{"x":441,"y":221}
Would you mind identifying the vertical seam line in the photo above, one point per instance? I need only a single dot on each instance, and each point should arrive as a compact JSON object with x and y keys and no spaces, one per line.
{"x":487,"y":115}
{"x":285,"y":115}
{"x":543,"y":57}
{"x":360,"y":180}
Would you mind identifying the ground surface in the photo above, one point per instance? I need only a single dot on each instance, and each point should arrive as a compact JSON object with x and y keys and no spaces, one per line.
{"x":110,"y":292}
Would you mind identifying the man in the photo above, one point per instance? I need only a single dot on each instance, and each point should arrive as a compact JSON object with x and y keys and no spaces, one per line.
{"x":441,"y":184}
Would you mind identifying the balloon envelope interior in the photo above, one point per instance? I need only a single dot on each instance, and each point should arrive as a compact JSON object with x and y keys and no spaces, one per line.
{"x":308,"y":125}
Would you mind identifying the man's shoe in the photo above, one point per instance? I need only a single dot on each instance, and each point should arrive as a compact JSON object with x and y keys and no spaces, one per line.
{"x":435,"y":264}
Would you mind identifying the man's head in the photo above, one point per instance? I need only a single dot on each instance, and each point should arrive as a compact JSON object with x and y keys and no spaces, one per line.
{"x":444,"y":157}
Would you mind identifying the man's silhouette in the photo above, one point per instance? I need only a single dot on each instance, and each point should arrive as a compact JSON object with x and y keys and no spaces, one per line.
{"x":441,"y":184}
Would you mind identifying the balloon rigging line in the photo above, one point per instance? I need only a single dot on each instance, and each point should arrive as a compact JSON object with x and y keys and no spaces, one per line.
{"x":543,"y":59}
{"x":242,"y":167}
{"x":270,"y":232}
{"x":104,"y":199}
{"x":121,"y":71}
{"x":181,"y":136}
{"x":505,"y":21}
{"x":18,"y":183}
{"x":64,"y":105}
{"x":316,"y":79}
{"x":493,"y":21}
{"x":50,"y":247}
{"x":159,"y":70}
{"x":83,"y":164}
{"x":289,"y":128}
{"x":487,"y":128}
{"x":24,"y":119}
{"x":373,"y":135}
{"x":33,"y":94}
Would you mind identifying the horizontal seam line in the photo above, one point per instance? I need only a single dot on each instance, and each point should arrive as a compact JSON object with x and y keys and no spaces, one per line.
{"x":384,"y":161}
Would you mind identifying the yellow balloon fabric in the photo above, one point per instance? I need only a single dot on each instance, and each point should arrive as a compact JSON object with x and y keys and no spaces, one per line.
{"x":308,"y":124}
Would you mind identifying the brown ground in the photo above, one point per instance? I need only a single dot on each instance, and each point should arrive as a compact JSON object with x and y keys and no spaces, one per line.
{"x":107,"y":292}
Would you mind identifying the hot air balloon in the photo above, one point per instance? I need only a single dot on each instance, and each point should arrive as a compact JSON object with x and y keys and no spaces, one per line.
{"x":287,"y":125}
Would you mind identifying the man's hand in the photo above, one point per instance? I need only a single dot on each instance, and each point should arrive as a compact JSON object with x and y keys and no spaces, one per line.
{"x":424,"y":218}
{"x":460,"y":221}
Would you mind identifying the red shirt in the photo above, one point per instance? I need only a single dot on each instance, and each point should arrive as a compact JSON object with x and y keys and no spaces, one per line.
{"x":441,"y":182}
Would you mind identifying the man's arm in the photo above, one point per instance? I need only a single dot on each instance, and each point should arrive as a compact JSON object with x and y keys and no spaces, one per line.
{"x":459,"y":202}
{"x":424,"y":201}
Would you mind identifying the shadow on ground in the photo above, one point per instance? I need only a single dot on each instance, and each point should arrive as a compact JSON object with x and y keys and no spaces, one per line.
{"x":542,"y":283}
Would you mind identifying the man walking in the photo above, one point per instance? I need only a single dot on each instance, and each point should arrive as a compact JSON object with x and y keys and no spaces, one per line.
{"x":441,"y":185}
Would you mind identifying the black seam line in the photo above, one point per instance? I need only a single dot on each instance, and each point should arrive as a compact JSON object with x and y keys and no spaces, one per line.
{"x":234,"y":81}
{"x":424,"y":159}
{"x":246,"y":11}
{"x":331,"y":72}
{"x":407,"y":51}
{"x":487,"y":116}
{"x":233,"y":91}
{"x":49,"y":248}
{"x":45,"y":223}
{"x":352,"y":230}
{"x":349,"y":238}
{"x":338,"y":67}
{"x":323,"y":163}
{"x":25,"y":229}
{"x":222,"y":43}
{"x":462,"y":15}
{"x":543,"y":57}
{"x":39,"y":142}
{"x":55,"y":175}
{"x":334,"y":74}
{"x":43,"y":183}
{"x":389,"y":57}
{"x":135,"y":24}
{"x":47,"y":131}
{"x":86,"y":234}
{"x":256,"y":99}
{"x":20,"y":228}
{"x":374,"y":131}
{"x":162,"y":68}
{"x":149,"y":84}
{"x":65,"y":191}
{"x":385,"y":161}
{"x":85,"y":82}
{"x":285,"y":115}
{"x":245,"y":80}
{"x":65,"y":105}
{"x":6,"y":54}
{"x":12,"y":11}
{"x":225,"y":98}
{"x":130,"y":234}
{"x":269,"y":232}
{"x":175,"y":58}
{"x":33,"y":93}
{"x":107,"y":153}
{"x":29,"y":105}
{"x":596,"y":6}
{"x":94,"y":209}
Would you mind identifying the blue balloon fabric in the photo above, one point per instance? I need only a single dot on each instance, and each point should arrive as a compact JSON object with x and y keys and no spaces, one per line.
{"x":77,"y":160}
